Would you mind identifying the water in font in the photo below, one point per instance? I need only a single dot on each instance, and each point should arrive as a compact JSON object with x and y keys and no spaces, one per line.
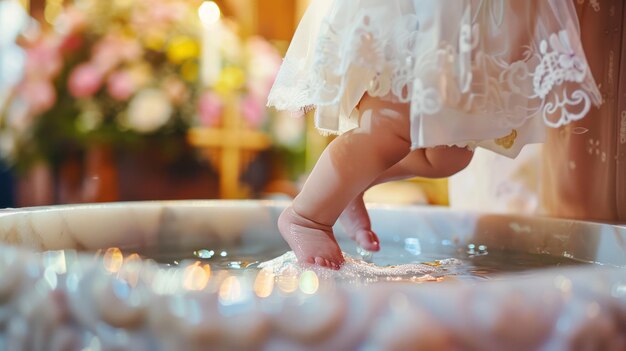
{"x":405,"y":261}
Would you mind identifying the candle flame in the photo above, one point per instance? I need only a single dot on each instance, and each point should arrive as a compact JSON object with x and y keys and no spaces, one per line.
{"x":209,"y":13}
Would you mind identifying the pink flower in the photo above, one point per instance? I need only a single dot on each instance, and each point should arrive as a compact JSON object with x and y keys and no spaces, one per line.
{"x":252,"y":111}
{"x":175,"y":90}
{"x":43,"y":60}
{"x":121,"y":86}
{"x":129,"y":50}
{"x":112,"y":50}
{"x":71,"y":43}
{"x":166,"y":12}
{"x":264,"y":62}
{"x":210,"y":109}
{"x":39,"y":95}
{"x":260,"y":89}
{"x":105,"y":54}
{"x":85,"y":80}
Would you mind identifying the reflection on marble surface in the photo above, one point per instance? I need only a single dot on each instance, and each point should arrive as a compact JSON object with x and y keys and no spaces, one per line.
{"x":53,"y":298}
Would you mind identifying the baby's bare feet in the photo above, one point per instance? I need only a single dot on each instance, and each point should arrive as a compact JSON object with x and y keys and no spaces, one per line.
{"x":356,"y":223}
{"x":311,"y":242}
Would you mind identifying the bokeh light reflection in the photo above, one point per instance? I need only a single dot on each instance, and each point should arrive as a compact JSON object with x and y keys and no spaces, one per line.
{"x":230,"y":291}
{"x":131,"y":269}
{"x":288,"y":281}
{"x":209,"y":13}
{"x":113,"y":259}
{"x":309,"y":282}
{"x":264,"y":283}
{"x":196,"y":276}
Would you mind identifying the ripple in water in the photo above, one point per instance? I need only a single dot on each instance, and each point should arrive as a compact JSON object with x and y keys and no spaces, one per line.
{"x":357,"y":269}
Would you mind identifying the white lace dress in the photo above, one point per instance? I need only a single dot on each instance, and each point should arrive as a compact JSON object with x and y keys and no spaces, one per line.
{"x":488,"y":73}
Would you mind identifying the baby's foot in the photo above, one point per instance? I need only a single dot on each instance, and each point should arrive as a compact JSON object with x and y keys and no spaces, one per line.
{"x":356,"y":222}
{"x":311,"y":242}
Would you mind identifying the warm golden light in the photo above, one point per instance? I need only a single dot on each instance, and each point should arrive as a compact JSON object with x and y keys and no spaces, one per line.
{"x":264,"y":283}
{"x":196,"y":277}
{"x":288,"y":281}
{"x":230,"y":291}
{"x":309,"y":283}
{"x":209,"y":13}
{"x":133,"y":258}
{"x":131,"y":269}
{"x":52,"y":10}
{"x":113,"y":259}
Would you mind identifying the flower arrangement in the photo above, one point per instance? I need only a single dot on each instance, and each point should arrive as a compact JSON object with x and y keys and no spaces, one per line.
{"x":123,"y":72}
{"x":103,"y":75}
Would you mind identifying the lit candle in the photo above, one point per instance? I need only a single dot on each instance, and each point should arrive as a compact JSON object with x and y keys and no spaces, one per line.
{"x":211,"y":64}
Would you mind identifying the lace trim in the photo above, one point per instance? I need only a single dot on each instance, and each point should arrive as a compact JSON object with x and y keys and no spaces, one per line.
{"x":552,"y":80}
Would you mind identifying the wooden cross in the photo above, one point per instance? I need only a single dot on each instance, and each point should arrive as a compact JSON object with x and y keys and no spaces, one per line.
{"x":230,"y":148}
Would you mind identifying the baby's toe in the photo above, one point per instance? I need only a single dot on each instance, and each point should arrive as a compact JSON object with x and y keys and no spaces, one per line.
{"x":368,"y":240}
{"x":321,"y":262}
{"x":324,"y":262}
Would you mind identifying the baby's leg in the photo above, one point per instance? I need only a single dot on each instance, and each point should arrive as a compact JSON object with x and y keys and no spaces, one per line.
{"x":356,"y":222}
{"x":436,"y":162}
{"x":347,"y":167}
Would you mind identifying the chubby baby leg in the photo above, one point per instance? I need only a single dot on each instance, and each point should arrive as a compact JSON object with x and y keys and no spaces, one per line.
{"x":347,"y":167}
{"x":436,"y":162}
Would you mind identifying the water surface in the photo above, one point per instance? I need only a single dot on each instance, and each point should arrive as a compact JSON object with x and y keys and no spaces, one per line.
{"x":469,"y":262}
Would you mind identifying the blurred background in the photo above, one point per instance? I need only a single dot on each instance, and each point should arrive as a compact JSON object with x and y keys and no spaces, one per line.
{"x":128,"y":100}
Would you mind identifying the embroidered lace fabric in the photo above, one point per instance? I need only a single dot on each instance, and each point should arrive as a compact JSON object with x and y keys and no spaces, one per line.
{"x":489,"y":73}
